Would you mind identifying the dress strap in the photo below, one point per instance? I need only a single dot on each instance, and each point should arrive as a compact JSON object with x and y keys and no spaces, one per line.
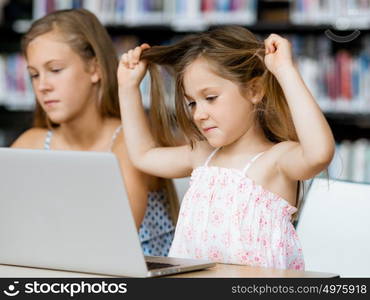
{"x":210,"y":157}
{"x":47,"y":141}
{"x":114,"y":136}
{"x":250,"y":162}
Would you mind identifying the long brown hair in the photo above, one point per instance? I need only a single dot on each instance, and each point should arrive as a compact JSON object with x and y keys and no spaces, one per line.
{"x":83,"y":32}
{"x":235,"y":54}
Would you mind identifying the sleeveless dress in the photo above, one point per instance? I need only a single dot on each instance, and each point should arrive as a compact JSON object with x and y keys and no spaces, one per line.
{"x":157,"y":228}
{"x":227,"y":217}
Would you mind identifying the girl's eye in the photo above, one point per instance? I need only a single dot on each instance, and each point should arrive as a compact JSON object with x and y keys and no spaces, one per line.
{"x":211,"y":98}
{"x":55,"y":70}
{"x":191,"y":104}
{"x":33,"y":76}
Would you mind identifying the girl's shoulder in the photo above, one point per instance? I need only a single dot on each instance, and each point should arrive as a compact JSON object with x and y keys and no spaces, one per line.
{"x":33,"y":138}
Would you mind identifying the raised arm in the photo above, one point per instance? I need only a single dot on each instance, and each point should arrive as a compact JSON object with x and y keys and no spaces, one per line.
{"x":316,"y":145}
{"x":168,"y":162}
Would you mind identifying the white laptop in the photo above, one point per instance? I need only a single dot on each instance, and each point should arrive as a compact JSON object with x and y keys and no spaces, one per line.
{"x":68,"y":210}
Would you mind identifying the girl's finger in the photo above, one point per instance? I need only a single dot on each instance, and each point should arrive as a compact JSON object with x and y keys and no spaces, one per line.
{"x":130,"y":58}
{"x":144,"y":46}
{"x":124,"y":60}
{"x":136,"y":55}
{"x":271,"y":43}
{"x":269,"y":48}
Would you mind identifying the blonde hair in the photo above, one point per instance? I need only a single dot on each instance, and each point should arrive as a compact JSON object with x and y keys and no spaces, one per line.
{"x":235,"y":54}
{"x":85,"y":35}
{"x":83,"y":32}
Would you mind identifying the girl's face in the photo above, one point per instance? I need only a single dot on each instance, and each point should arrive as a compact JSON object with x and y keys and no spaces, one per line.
{"x":221,"y":113}
{"x":60,"y":78}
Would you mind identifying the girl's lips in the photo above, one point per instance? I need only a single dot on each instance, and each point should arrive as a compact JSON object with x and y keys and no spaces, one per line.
{"x":208,"y":129}
{"x":49,"y":103}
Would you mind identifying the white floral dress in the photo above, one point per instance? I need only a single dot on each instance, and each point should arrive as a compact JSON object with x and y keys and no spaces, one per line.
{"x":226,"y":217}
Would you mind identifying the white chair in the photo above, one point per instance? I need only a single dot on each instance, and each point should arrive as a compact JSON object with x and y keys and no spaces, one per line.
{"x":334,"y":228}
{"x":181,"y":185}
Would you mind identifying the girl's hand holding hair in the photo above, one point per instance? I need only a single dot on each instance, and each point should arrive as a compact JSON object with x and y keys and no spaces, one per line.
{"x":131,"y":70}
{"x":278,"y":54}
{"x":143,"y":149}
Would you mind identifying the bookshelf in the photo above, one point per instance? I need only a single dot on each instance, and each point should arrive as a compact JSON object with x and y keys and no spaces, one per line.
{"x":337,"y":73}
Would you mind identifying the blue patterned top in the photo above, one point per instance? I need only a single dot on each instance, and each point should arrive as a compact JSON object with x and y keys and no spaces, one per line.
{"x":157,"y":229}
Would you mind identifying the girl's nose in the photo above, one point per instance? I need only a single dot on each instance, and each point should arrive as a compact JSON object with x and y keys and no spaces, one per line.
{"x":200,"y":113}
{"x":43,"y":84}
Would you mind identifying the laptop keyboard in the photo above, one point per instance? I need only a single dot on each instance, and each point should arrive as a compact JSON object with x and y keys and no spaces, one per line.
{"x":156,"y":265}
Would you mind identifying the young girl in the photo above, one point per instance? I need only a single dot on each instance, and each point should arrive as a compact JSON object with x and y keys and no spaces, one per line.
{"x":254,"y":132}
{"x":73,"y":64}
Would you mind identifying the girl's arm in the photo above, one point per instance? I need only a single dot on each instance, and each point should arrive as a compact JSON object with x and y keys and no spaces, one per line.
{"x":316,"y":145}
{"x":167,"y":162}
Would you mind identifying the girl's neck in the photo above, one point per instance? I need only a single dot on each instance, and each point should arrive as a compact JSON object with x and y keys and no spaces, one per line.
{"x":251,"y":143}
{"x":88,"y":131}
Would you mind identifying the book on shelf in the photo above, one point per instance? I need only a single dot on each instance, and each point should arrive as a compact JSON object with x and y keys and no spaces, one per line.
{"x":229,"y":12}
{"x":345,"y":158}
{"x":359,"y":160}
{"x":343,"y":14}
{"x":340,"y":82}
{"x":351,"y":161}
{"x":179,"y":14}
{"x":15,"y":85}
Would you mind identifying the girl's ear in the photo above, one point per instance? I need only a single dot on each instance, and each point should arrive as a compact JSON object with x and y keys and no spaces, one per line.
{"x":94,"y":70}
{"x":255,"y":90}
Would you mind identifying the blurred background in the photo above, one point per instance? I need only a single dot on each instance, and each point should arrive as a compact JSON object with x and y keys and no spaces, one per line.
{"x":330,"y":38}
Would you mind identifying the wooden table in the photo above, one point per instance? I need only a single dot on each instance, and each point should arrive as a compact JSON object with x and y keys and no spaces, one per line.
{"x":220,"y":270}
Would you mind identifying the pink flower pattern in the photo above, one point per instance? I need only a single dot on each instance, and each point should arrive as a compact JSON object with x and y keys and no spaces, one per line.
{"x":226,"y":217}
